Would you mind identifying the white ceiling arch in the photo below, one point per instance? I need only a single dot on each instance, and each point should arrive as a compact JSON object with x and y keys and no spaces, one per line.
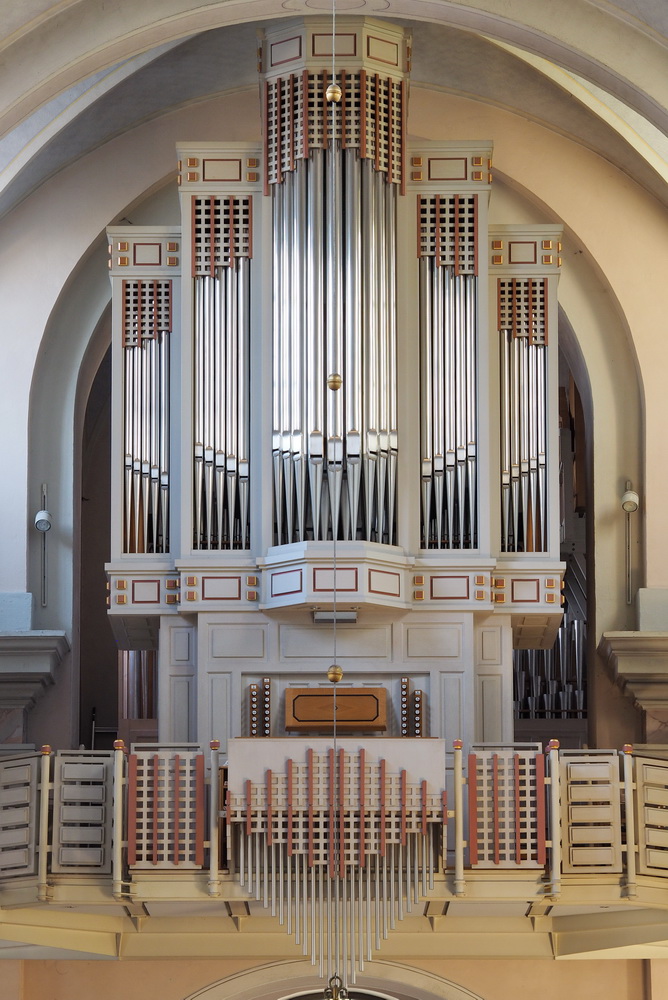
{"x":65,"y":43}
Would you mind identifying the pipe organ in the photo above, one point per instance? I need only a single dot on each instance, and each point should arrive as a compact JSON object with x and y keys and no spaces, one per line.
{"x":448,"y":234}
{"x":335,"y":345}
{"x":333,"y":171}
{"x":221,"y":240}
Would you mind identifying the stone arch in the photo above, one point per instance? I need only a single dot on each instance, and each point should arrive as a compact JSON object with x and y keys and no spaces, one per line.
{"x":292,"y":980}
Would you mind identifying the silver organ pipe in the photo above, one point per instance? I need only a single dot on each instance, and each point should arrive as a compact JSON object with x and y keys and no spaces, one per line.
{"x":146,"y":326}
{"x":343,"y":874}
{"x":221,"y":372}
{"x":448,"y":289}
{"x":333,"y":185}
{"x":522,"y":325}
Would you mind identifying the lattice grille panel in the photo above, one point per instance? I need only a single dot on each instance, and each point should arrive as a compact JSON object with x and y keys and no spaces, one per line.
{"x":522,"y":308}
{"x":448,"y":231}
{"x":652,"y":815}
{"x":19,"y":779}
{"x":370,"y":118}
{"x":590,"y":812}
{"x":221,"y":232}
{"x":166,"y":811}
{"x":82,"y":812}
{"x":146,"y":310}
{"x":302,"y":808}
{"x":340,"y":849}
{"x":506,"y":810}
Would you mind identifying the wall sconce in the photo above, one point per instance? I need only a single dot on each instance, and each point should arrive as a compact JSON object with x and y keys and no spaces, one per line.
{"x":630,"y":504}
{"x":43,"y":520}
{"x":43,"y":524}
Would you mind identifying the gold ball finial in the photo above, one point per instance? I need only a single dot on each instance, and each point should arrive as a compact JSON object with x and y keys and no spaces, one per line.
{"x":334,"y":674}
{"x":334,"y":381}
{"x":333,"y":93}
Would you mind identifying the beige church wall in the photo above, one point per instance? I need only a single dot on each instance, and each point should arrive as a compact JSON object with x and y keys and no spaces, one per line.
{"x":494,"y":979}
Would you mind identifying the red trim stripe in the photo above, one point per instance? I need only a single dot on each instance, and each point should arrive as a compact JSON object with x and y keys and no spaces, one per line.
{"x":541,"y":853}
{"x":518,"y":812}
{"x":155,"y":772}
{"x":403,"y":807}
{"x":249,"y":816}
{"x":383,"y":810}
{"x":495,"y":798}
{"x":132,"y":809}
{"x":309,"y":795}
{"x":423,"y":796}
{"x":332,"y":839}
{"x":362,"y":814}
{"x":342,"y":816}
{"x":473,"y":808}
{"x":199,"y":809}
{"x":290,"y":794}
{"x":270,"y":810}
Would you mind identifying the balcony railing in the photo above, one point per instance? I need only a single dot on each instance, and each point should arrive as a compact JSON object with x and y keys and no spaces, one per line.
{"x":118,"y":816}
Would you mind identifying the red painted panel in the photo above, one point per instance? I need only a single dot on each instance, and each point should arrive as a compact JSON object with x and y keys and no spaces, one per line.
{"x":132,"y":809}
{"x":540,"y":809}
{"x":200,"y":811}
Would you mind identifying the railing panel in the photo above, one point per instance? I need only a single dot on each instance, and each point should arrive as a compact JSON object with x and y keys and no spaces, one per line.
{"x":652,"y":815}
{"x":591,"y":825}
{"x":506,"y":808}
{"x":166,"y":809}
{"x":82,"y":812}
{"x":19,"y":782}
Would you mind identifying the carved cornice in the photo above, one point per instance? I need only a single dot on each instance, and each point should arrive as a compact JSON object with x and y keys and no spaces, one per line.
{"x":639,"y":662}
{"x":28,"y":662}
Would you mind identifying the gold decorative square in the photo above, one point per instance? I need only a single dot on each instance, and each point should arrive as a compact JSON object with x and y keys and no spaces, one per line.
{"x":559,"y":246}
{"x":251,"y":581}
{"x":479,"y":581}
{"x":192,"y":161}
{"x":252,"y":177}
{"x":477,"y":175}
{"x":550,"y":582}
{"x":497,"y":258}
{"x":123,"y":246}
{"x":171,"y":599}
{"x":251,"y":595}
{"x":476,"y":161}
{"x":500,"y":581}
{"x":417,"y":161}
{"x":172,"y":261}
{"x":548,"y":258}
{"x":191,"y":581}
{"x":172,"y":247}
{"x":418,"y":595}
{"x":252,"y":161}
{"x":108,"y":585}
{"x":123,"y":261}
{"x":497,"y":244}
{"x":121,"y":585}
{"x":171,"y":584}
{"x":191,"y":595}
{"x":179,"y":165}
{"x":121,"y":598}
{"x":550,"y":598}
{"x":193,"y":176}
{"x":418,"y":581}
{"x":559,"y":261}
{"x":499,"y":598}
{"x":416,"y":175}
{"x":480,"y":595}
{"x":546,"y":245}
{"x":489,"y":178}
